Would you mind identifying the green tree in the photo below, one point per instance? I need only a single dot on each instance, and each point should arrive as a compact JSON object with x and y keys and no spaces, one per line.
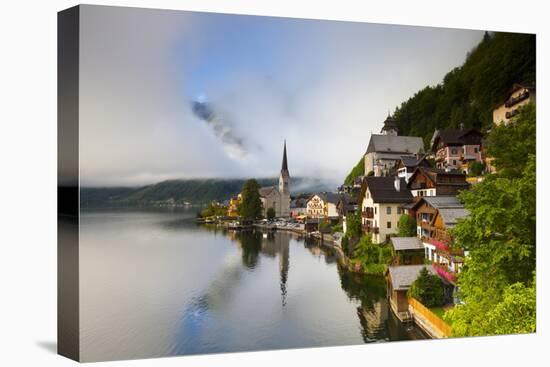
{"x":428,"y":289}
{"x":511,"y":144}
{"x":251,"y":205}
{"x":406,"y":227}
{"x":353,"y":226}
{"x":270,"y":213}
{"x":476,"y":168}
{"x":500,"y":234}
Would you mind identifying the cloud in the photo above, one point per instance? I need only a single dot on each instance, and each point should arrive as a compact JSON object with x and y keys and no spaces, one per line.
{"x":168,"y":94}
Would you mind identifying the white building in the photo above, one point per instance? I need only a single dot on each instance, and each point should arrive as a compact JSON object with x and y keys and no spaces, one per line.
{"x":382,"y":206}
{"x":385,"y":149}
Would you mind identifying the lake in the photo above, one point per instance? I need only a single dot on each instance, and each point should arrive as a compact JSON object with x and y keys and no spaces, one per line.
{"x":153,"y":284}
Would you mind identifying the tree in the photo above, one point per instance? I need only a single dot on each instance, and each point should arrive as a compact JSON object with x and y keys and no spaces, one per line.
{"x":353,"y":226}
{"x":515,"y":313}
{"x":428,"y":289}
{"x":406,"y":227}
{"x":251,"y":205}
{"x":511,"y":144}
{"x":270,"y":213}
{"x":500,"y":234}
{"x":476,"y":168}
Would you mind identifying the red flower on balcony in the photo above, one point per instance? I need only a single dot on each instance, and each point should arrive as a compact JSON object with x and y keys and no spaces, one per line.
{"x":444,"y":273}
{"x":440,"y":245}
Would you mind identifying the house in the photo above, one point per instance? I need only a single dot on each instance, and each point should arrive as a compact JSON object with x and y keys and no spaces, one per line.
{"x":275,"y":197}
{"x":323,"y":205}
{"x":519,"y":95}
{"x":407,"y":251}
{"x":456,"y":149}
{"x":406,"y":165}
{"x":427,"y":181}
{"x":233,"y":205}
{"x":435,"y":216}
{"x":399,"y":279}
{"x":347,"y":204}
{"x":381,"y":206}
{"x":385,"y":149}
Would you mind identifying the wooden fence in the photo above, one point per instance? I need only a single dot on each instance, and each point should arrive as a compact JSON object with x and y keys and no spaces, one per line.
{"x":431,"y":317}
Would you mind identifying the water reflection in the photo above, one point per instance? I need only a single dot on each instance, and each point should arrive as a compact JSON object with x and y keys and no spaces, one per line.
{"x":170,"y":287}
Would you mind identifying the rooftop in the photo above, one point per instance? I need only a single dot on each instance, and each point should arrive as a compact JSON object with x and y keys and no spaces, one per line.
{"x":406,"y":243}
{"x":403,"y":276}
{"x":382,"y":190}
{"x":395,"y":144}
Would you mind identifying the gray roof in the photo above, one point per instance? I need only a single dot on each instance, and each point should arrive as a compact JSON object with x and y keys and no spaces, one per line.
{"x":382,"y":190}
{"x":395,"y":144}
{"x":406,"y":243}
{"x":266,"y":191}
{"x":329,"y":197}
{"x":403,"y":276}
{"x":451,"y":216}
{"x":442,"y":202}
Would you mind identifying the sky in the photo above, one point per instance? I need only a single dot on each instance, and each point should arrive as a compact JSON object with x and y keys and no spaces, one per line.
{"x":323,"y":86}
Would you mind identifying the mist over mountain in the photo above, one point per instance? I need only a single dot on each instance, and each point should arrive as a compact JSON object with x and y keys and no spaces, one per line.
{"x":195,"y":191}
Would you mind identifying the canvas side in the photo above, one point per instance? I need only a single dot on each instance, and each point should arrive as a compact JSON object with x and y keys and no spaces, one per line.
{"x":67,"y":183}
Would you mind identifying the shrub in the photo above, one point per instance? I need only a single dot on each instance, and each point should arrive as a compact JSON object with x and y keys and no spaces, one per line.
{"x":428,"y":289}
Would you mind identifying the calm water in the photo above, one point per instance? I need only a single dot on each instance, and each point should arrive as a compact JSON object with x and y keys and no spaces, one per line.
{"x":153,"y":283}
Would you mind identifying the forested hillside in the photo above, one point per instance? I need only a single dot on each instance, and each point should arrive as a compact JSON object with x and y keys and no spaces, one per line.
{"x":468,"y":94}
{"x":198,"y":191}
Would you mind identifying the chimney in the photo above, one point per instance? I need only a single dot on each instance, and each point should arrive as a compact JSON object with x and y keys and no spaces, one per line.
{"x":461,"y":126}
{"x":397,"y":183}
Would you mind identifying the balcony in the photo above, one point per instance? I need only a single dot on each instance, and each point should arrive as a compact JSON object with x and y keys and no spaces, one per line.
{"x":513,"y":101}
{"x":444,"y":272}
{"x":369,"y":214}
{"x":510,"y":114}
{"x":369,"y":229}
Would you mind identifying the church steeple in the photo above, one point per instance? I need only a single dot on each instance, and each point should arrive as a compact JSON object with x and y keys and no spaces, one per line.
{"x":284,"y":167}
{"x":284,"y":177}
{"x":390,"y":126}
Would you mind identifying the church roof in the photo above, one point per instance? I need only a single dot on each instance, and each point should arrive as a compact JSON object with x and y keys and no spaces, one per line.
{"x":389,"y":124}
{"x":266,"y":190}
{"x":395,"y":144}
{"x":284,"y":166}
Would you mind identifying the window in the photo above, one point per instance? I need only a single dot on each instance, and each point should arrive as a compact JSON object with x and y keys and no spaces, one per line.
{"x":389,"y":224}
{"x":388,"y":210}
{"x":476,"y":150}
{"x":398,"y":210}
{"x":454,"y":162}
{"x":374,"y":210}
{"x":453,"y":151}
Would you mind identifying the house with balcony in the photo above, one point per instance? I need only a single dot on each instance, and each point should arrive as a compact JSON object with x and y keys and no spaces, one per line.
{"x":519,"y":95}
{"x":382,"y":206}
{"x":428,"y":181}
{"x":435,"y":216}
{"x":456,"y":149}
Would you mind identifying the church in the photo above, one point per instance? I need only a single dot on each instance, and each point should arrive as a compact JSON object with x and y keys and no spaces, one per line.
{"x":386,"y":148}
{"x":275,"y":197}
